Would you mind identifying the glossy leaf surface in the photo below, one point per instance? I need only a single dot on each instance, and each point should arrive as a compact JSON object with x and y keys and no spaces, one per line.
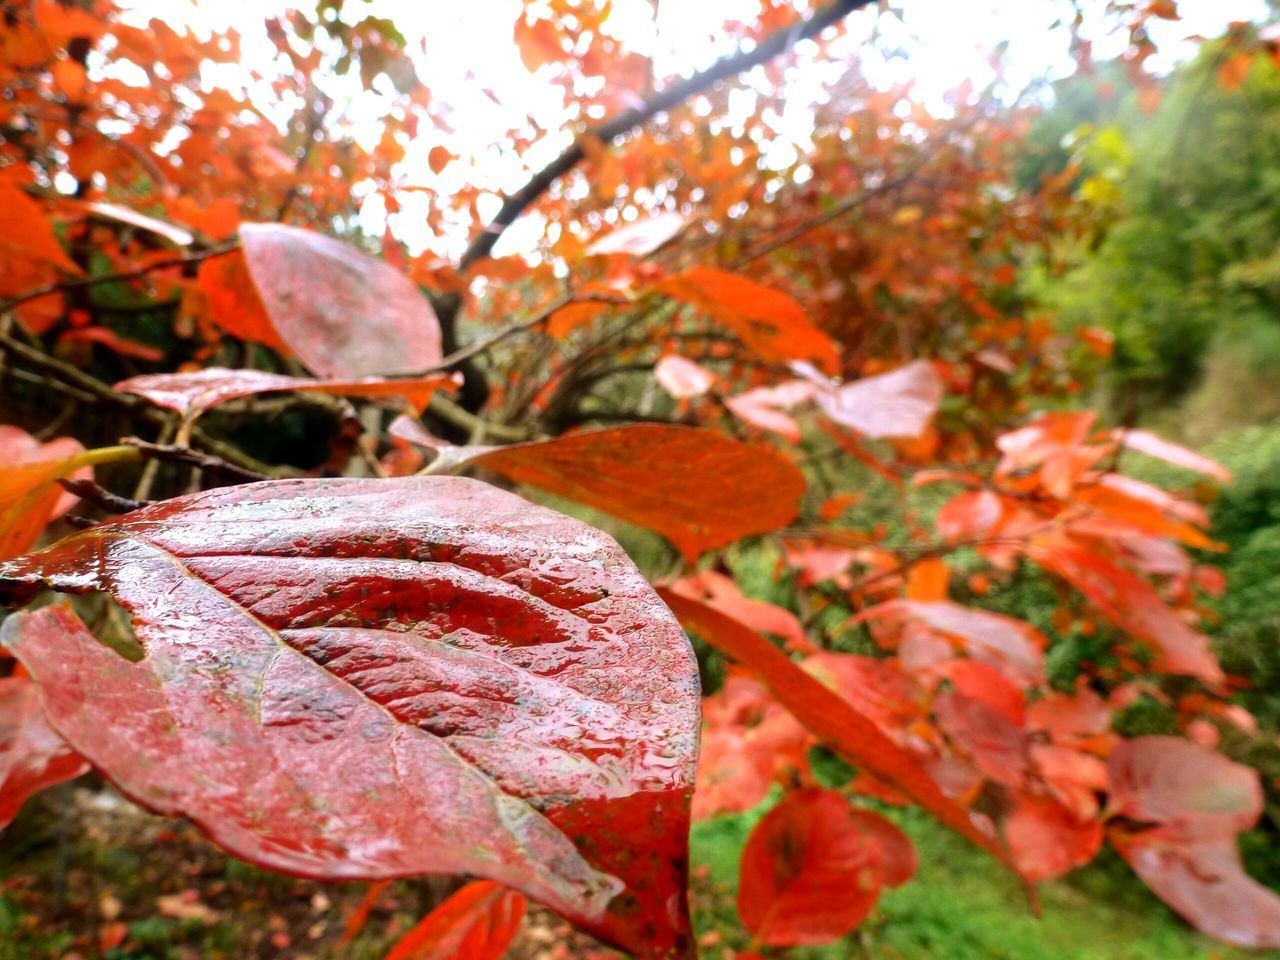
{"x":354,"y":679}
{"x":477,"y":922}
{"x":32,"y":755}
{"x":343,"y":313}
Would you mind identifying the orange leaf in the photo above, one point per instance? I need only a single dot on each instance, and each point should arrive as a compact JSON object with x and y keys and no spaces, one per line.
{"x":769,"y":322}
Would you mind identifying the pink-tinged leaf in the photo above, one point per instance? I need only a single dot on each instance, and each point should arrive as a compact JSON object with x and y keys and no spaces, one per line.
{"x":476,"y":923}
{"x":813,"y":869}
{"x":1012,"y":646}
{"x":769,"y":322}
{"x":1206,"y":883}
{"x":1134,"y":606}
{"x":666,"y":478}
{"x":364,"y":679}
{"x":682,"y":378}
{"x":193,"y":393}
{"x":1189,"y":791}
{"x":32,"y":755}
{"x":343,"y":313}
{"x":900,"y":403}
{"x":641,"y":238}
{"x":984,"y":683}
{"x":768,"y":408}
{"x":1148,"y":443}
{"x":114,"y":213}
{"x":1047,"y":840}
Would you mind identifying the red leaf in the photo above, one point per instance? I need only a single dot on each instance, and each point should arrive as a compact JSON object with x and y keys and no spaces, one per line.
{"x":1010,"y":645}
{"x":973,"y":515}
{"x":476,"y":923}
{"x":1133,"y":605}
{"x":1047,"y":841}
{"x":829,"y":717}
{"x":1206,"y":883}
{"x":768,"y":408}
{"x":193,"y":393}
{"x":640,"y":238}
{"x":443,"y":678}
{"x":989,"y":739}
{"x":666,"y":478}
{"x":343,"y":313}
{"x":813,"y":869}
{"x":233,"y":303}
{"x":1190,"y":791}
{"x":900,"y":403}
{"x":769,"y":322}
{"x":32,"y":756}
{"x":113,"y":342}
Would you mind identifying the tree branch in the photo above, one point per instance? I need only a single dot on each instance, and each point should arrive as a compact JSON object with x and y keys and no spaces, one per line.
{"x":610,"y":130}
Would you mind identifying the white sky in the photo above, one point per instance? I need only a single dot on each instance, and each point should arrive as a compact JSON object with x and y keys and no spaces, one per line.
{"x":462,"y":48}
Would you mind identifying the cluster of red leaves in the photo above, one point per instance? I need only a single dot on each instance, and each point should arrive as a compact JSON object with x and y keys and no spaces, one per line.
{"x":506,"y":694}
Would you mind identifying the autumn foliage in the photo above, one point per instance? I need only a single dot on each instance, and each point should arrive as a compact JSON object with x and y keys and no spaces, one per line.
{"x":357,"y":650}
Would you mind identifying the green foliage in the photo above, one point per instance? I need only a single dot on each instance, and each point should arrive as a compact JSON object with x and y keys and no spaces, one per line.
{"x":1191,"y":245}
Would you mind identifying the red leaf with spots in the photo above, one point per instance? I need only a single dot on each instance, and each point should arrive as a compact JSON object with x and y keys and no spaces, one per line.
{"x":362,"y":679}
{"x":340,"y":311}
{"x":476,"y":923}
{"x":813,"y":869}
{"x":32,"y":755}
{"x":193,"y":393}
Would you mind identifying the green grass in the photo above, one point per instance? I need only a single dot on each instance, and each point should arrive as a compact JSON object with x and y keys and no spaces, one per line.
{"x":963,"y":906}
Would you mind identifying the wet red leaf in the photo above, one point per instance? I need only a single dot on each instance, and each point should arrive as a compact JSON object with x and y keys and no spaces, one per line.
{"x":340,"y":311}
{"x":32,"y":755}
{"x":813,"y":869}
{"x":476,"y":923}
{"x":363,"y":679}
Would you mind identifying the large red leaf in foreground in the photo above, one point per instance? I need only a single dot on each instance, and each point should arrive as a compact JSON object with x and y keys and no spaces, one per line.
{"x":813,"y":869}
{"x":32,"y":756}
{"x":343,"y":313}
{"x":476,"y":923}
{"x":362,"y":679}
{"x":698,"y":488}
